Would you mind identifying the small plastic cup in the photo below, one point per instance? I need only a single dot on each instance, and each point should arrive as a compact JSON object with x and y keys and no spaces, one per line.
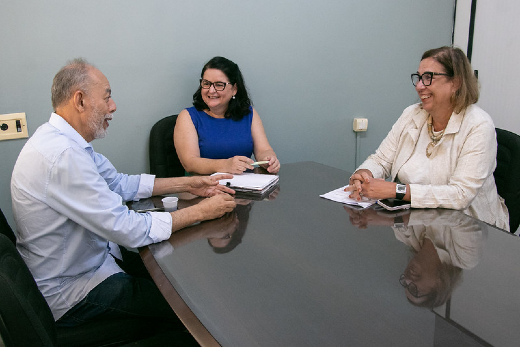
{"x":170,"y":203}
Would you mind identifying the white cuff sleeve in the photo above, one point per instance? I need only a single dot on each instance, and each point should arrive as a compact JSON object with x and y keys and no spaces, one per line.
{"x":161,"y":226}
{"x":145,"y":187}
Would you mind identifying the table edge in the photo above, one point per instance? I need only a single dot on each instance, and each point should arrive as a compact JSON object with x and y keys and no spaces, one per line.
{"x":185,"y":314}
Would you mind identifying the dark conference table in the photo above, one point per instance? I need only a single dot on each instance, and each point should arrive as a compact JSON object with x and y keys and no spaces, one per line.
{"x":295,"y":269}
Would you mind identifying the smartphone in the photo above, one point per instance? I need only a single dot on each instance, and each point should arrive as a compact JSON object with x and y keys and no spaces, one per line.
{"x":394,"y":204}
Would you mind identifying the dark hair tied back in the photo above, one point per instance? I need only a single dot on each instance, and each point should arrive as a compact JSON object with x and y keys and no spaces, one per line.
{"x":239,"y":106}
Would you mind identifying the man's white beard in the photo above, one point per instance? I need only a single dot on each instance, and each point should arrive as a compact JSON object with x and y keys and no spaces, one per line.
{"x":96,"y":124}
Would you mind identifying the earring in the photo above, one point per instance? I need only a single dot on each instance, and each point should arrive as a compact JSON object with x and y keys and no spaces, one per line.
{"x":234,"y":97}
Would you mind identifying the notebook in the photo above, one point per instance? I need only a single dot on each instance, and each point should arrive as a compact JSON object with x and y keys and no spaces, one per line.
{"x":250,"y":182}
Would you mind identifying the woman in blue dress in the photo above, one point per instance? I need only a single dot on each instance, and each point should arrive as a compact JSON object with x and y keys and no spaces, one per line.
{"x":222,"y":130}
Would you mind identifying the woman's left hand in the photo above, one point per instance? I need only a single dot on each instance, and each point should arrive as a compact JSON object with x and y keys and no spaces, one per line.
{"x":273,"y":166}
{"x":377,"y":188}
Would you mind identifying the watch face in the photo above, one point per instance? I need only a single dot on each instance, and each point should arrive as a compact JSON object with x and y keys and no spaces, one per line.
{"x":401,"y":188}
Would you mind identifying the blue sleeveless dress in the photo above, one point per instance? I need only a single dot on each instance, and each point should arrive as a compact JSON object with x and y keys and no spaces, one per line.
{"x":223,"y":138}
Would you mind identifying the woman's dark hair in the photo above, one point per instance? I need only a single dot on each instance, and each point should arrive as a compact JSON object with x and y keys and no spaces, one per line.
{"x":457,"y":65}
{"x":238,"y":107}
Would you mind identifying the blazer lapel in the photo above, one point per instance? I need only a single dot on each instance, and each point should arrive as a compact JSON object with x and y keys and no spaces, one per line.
{"x":409,"y":141}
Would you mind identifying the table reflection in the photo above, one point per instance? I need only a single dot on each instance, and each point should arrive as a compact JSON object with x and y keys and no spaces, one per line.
{"x":223,"y":234}
{"x":442,"y":244}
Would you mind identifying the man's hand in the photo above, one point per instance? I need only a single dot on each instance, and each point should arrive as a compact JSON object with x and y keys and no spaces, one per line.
{"x":208,"y":208}
{"x":216,"y":206}
{"x":206,"y":186}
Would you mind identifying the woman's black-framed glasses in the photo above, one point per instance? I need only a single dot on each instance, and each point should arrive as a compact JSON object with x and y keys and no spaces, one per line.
{"x":411,"y":287}
{"x":426,"y":77}
{"x":219,"y":86}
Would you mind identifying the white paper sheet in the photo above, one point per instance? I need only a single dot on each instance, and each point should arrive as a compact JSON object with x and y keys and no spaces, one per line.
{"x":339,"y":195}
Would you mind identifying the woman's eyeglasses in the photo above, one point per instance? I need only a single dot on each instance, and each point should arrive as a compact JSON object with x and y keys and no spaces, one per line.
{"x":411,"y":287}
{"x":426,"y":77}
{"x":219,"y":86}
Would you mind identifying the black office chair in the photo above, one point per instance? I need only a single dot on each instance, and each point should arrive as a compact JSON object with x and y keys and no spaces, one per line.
{"x":5,"y":229}
{"x":164,"y":161}
{"x":507,"y":173}
{"x":26,"y":319}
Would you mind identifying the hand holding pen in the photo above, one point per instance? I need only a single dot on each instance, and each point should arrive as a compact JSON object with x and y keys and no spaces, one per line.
{"x":271,"y":164}
{"x":238,"y":164}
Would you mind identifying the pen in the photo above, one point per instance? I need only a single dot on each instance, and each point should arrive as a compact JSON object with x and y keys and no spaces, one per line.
{"x":150,"y":209}
{"x":260,"y":162}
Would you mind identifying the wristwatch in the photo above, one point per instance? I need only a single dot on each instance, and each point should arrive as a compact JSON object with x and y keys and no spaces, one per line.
{"x":400,"y":191}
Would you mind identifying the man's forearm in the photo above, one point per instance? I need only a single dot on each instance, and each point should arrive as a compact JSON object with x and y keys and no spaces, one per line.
{"x":170,"y":185}
{"x":186,"y":216}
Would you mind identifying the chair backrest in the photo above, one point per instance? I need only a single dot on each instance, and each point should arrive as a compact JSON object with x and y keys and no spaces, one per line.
{"x":25,"y":317}
{"x":5,"y":229}
{"x":507,"y":173}
{"x":164,"y":161}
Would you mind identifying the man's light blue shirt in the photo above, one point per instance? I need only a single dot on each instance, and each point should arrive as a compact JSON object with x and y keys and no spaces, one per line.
{"x":68,"y":204}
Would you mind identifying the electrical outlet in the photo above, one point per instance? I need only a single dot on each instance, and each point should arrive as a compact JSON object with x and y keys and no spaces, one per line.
{"x":360,"y":124}
{"x":13,"y":126}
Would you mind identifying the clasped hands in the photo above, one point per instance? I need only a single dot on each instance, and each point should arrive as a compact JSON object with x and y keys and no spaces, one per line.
{"x":363,"y":184}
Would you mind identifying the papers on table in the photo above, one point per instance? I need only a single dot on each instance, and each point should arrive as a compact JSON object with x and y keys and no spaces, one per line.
{"x":250,"y":182}
{"x":339,"y":195}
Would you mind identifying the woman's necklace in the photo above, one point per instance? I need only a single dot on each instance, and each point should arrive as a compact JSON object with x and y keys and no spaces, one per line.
{"x":435,"y":137}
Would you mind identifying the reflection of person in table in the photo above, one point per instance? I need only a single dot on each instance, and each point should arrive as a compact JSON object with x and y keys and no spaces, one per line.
{"x":443,"y":243}
{"x":222,"y":130}
{"x":228,"y":242}
{"x":223,"y":234}
{"x":441,"y":152}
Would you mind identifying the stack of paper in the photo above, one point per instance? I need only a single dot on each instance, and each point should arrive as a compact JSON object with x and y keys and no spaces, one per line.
{"x":250,"y":182}
{"x":339,"y":195}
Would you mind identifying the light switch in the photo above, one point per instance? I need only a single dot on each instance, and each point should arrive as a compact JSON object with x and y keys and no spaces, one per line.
{"x":13,"y":126}
{"x":360,"y":124}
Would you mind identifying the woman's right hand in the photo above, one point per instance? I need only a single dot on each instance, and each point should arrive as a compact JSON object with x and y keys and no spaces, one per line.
{"x":238,"y":164}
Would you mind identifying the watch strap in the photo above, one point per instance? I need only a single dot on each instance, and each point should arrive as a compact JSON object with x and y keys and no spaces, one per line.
{"x":398,"y":222}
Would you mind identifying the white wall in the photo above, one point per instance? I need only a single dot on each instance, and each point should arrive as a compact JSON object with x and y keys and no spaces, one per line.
{"x":496,"y":48}
{"x":461,"y":29}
